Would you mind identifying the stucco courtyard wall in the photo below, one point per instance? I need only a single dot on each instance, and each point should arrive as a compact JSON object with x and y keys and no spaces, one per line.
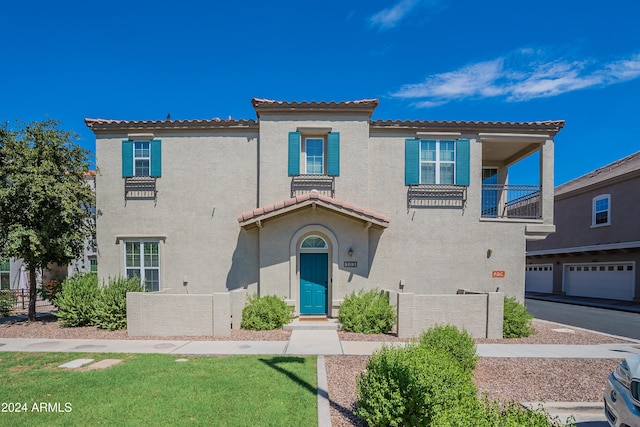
{"x":161,"y":314}
{"x":479,"y":314}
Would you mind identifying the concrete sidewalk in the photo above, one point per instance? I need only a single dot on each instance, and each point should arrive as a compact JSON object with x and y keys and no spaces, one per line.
{"x":327,"y":342}
{"x":311,"y":342}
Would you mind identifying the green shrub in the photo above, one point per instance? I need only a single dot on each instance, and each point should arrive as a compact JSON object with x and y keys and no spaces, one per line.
{"x":265,"y":313}
{"x":482,"y":413}
{"x":7,"y":303}
{"x":49,"y":290}
{"x":76,"y":302}
{"x":448,"y":338}
{"x":111,"y":306}
{"x":367,"y":313}
{"x":409,"y":386}
{"x":517,"y":320}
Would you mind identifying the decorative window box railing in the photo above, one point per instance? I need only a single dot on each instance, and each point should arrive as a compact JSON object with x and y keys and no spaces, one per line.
{"x":436,"y":196}
{"x":140,"y":188}
{"x":303,"y":184}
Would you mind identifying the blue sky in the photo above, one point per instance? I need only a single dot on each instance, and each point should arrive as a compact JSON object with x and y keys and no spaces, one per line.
{"x":574,"y":60}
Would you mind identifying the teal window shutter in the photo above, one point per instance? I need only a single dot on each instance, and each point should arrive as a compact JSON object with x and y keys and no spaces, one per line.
{"x":463,"y":159}
{"x":333,"y":153}
{"x":127,"y":158}
{"x":156,"y":157}
{"x":411,"y":161}
{"x":294,"y":153}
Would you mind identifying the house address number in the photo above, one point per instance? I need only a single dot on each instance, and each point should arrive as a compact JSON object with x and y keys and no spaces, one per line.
{"x":350,"y":264}
{"x":498,"y":274}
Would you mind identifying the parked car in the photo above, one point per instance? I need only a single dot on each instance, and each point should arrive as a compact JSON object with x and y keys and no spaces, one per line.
{"x":622,"y":394}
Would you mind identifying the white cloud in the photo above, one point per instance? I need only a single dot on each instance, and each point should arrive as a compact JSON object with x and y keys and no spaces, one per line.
{"x":391,"y":16}
{"x":518,"y":77}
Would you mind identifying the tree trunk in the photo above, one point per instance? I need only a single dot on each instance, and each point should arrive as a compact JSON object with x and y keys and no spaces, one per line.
{"x":32,"y":294}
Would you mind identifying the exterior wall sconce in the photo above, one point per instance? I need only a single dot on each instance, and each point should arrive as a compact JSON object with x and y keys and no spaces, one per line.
{"x":489,"y":253}
{"x":350,"y":252}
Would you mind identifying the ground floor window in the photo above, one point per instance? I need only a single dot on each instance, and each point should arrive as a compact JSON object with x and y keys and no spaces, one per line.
{"x":93,"y":265}
{"x":5,"y":275}
{"x":142,"y":259}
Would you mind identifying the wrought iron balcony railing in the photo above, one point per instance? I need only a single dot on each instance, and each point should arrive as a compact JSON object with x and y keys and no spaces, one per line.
{"x":511,"y":201}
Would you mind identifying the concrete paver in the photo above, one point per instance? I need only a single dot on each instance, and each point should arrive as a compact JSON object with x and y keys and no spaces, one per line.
{"x":314,"y":342}
{"x":74,"y":364}
{"x":104,"y":364}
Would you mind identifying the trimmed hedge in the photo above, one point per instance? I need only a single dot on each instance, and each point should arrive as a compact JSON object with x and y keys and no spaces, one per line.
{"x":458,"y":344}
{"x":77,"y":300}
{"x":517,"y":320}
{"x":265,"y":313}
{"x":431,"y":384}
{"x":367,"y":313}
{"x":81,"y":302}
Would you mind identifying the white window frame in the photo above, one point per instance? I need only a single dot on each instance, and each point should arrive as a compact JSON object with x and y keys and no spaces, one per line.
{"x":324,"y":155}
{"x":594,"y":210}
{"x":142,"y":267}
{"x":147,"y":158}
{"x":438,"y":162}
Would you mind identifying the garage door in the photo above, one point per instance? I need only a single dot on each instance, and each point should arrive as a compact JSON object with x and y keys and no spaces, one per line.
{"x":600,"y":280}
{"x":539,"y":278}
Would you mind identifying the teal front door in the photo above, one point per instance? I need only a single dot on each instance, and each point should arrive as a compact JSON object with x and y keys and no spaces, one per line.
{"x":313,"y":283}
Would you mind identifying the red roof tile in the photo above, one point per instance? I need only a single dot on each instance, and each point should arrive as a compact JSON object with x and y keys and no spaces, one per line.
{"x":250,"y":217}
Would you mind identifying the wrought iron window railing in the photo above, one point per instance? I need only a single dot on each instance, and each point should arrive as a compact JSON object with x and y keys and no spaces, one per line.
{"x":511,"y":201}
{"x":140,"y":188}
{"x":302,"y":184}
{"x":436,"y":195}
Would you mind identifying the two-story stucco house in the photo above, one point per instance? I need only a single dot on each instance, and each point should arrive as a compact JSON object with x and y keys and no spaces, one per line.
{"x":314,"y":200}
{"x":596,"y":249}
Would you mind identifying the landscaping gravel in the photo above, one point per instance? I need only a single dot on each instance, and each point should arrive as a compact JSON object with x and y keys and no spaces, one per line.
{"x":563,"y":380}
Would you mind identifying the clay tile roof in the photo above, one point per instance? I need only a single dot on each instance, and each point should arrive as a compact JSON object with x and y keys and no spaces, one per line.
{"x":624,"y":166}
{"x":547,"y":126}
{"x":259,"y":102}
{"x":250,"y":218}
{"x":365,"y":106}
{"x":109,"y":124}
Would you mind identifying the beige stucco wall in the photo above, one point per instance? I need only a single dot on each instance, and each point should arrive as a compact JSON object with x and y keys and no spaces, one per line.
{"x":207,"y":179}
{"x":280,"y":241}
{"x":439,"y":250}
{"x":351,"y":185}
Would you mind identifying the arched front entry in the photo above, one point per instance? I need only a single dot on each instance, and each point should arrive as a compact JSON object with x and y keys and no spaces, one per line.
{"x":313,"y":247}
{"x":314,"y":275}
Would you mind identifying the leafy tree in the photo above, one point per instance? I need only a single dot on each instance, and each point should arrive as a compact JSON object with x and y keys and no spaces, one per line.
{"x":45,"y":204}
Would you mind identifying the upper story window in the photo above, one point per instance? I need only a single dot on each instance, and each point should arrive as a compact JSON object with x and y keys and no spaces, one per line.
{"x":434,"y":161}
{"x":601,"y":211}
{"x":314,"y":154}
{"x":314,"y":158}
{"x":141,"y":158}
{"x":437,"y":162}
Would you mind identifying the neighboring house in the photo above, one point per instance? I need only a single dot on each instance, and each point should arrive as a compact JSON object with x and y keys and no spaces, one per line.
{"x":315,"y":200}
{"x":595,"y":251}
{"x":10,"y":269}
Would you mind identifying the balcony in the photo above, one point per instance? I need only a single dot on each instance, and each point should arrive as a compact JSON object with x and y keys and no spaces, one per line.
{"x":511,"y":201}
{"x":303,"y":184}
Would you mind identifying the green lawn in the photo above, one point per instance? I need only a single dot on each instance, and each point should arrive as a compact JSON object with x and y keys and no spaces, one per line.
{"x":155,"y":390}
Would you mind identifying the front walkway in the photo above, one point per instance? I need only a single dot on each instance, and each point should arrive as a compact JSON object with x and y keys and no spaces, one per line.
{"x":308,"y":342}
